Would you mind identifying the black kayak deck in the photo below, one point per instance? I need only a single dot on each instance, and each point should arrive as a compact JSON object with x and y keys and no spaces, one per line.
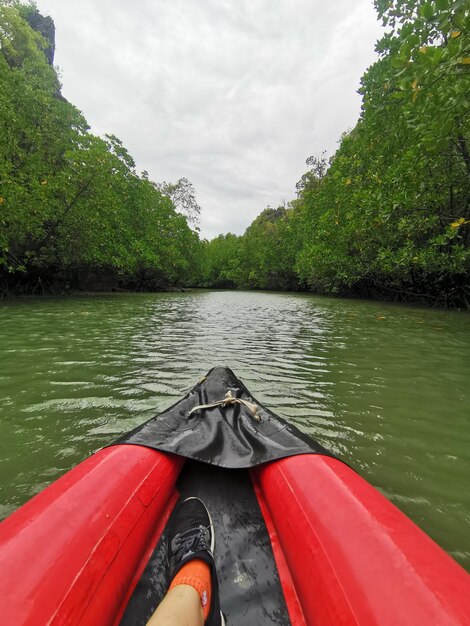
{"x":250,"y":588}
{"x":202,"y":427}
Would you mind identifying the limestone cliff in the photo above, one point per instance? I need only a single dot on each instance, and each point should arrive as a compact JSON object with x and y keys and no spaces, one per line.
{"x":45,"y":26}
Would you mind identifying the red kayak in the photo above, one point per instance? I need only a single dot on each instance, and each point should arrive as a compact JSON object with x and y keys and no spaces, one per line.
{"x":301,"y":538}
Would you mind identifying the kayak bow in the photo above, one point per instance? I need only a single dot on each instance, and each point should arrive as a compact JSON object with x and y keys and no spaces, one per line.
{"x":301,"y":538}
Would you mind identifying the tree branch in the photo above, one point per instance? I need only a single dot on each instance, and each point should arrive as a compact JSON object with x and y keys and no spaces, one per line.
{"x":462,"y":145}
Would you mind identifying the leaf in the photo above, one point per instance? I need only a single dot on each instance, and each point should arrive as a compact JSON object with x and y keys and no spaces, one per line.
{"x":465,"y":61}
{"x":413,"y":40}
{"x":427,"y":11}
{"x":454,"y":34}
{"x":459,"y":222}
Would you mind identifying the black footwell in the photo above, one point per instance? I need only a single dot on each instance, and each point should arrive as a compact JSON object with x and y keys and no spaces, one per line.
{"x":250,"y":589}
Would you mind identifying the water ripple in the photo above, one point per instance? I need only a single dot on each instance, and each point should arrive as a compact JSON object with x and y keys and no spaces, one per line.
{"x":383,"y":386}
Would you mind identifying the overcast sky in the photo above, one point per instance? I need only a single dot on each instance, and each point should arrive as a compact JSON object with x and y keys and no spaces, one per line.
{"x":232,"y":94}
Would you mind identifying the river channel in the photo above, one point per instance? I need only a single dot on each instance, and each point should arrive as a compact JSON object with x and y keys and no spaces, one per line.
{"x":385,"y":387}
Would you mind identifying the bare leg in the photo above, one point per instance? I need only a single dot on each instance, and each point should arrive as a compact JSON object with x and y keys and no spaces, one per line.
{"x":180,"y":607}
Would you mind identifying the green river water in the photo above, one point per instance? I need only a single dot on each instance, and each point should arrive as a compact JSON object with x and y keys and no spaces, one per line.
{"x":385,"y":387}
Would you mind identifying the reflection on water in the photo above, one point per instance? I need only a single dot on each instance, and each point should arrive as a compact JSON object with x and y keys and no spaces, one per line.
{"x":386,"y":387}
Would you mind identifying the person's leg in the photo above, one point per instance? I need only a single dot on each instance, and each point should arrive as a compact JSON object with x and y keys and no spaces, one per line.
{"x":193,"y":595}
{"x":180,"y":607}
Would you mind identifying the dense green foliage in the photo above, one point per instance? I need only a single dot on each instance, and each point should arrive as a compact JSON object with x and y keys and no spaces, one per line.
{"x":387,"y":216}
{"x":72,"y":203}
{"x":262,"y":259}
{"x":390,"y":217}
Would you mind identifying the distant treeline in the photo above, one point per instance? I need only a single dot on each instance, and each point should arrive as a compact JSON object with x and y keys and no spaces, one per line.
{"x":387,"y":216}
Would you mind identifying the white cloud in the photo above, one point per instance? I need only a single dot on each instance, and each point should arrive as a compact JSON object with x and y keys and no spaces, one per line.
{"x":232,"y":94}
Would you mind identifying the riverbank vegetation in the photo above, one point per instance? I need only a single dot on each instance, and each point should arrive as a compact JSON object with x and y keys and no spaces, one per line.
{"x":74,"y":212}
{"x":387,"y":216}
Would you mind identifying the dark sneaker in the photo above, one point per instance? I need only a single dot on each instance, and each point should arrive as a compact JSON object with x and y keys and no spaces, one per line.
{"x":191,"y":536}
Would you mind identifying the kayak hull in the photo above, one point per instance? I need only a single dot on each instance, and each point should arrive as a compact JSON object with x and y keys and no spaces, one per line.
{"x":72,"y":553}
{"x":354,"y":557}
{"x":344,"y":553}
